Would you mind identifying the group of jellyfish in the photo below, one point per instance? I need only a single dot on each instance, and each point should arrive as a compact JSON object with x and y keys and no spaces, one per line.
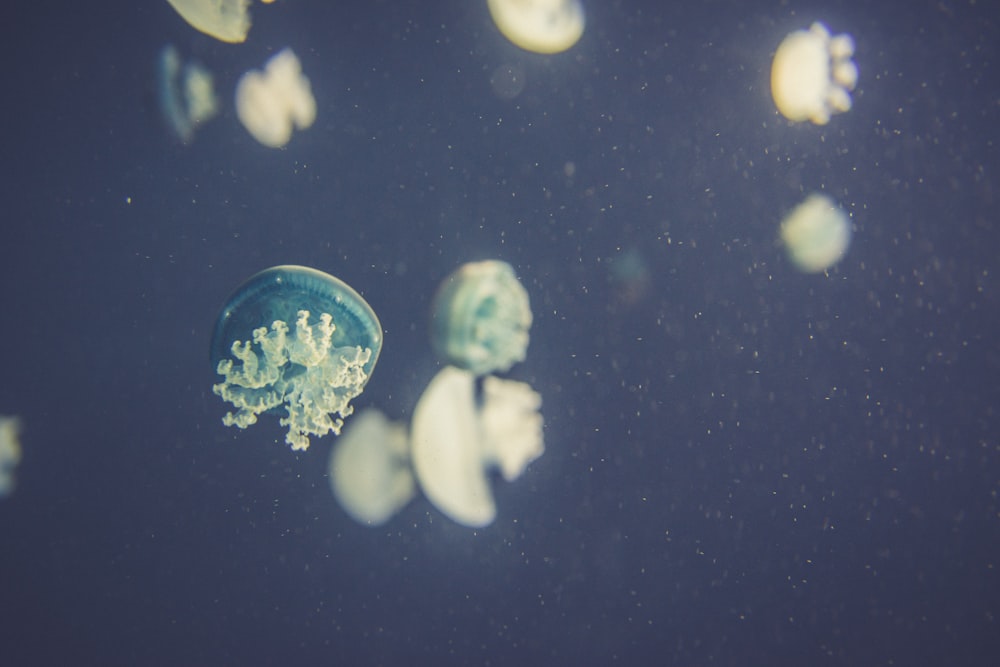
{"x":301,"y":344}
{"x":297,"y":341}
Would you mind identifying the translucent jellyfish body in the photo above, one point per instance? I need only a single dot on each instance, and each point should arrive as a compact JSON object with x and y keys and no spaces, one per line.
{"x":273,"y":102}
{"x":816,"y":234}
{"x":226,"y":20}
{"x":542,"y":26}
{"x":481,"y":317}
{"x":10,"y":452}
{"x":187,"y":94}
{"x":812,"y":74}
{"x":296,"y":338}
{"x":455,"y":442}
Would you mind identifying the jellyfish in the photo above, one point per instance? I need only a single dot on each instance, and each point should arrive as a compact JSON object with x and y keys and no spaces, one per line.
{"x":481,"y":317}
{"x":226,"y":20}
{"x":297,"y":338}
{"x":812,"y":74}
{"x":273,"y":102}
{"x":816,"y":234}
{"x":370,"y":468}
{"x":542,"y":26}
{"x":10,"y":452}
{"x":187,"y":95}
{"x":455,"y":444}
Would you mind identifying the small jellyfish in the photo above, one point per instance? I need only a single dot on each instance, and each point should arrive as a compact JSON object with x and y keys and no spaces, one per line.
{"x":299,"y":338}
{"x":816,"y":234}
{"x":812,"y":75}
{"x":187,"y":94}
{"x":271,"y":103}
{"x":542,"y":26}
{"x":481,"y":317}
{"x":10,"y":452}
{"x":370,"y":468}
{"x":226,"y":20}
{"x":455,"y":444}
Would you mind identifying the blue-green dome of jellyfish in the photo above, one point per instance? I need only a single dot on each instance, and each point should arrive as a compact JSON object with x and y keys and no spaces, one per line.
{"x":481,"y":317}
{"x":297,"y":338}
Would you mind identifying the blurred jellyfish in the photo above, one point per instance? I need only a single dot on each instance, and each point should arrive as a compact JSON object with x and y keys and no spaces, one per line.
{"x":370,"y":468}
{"x":481,"y":317}
{"x":187,"y":95}
{"x":542,"y":26}
{"x":10,"y":452}
{"x":455,"y":444}
{"x":317,"y":355}
{"x":816,"y":234}
{"x":812,"y":74}
{"x":226,"y":20}
{"x":271,"y":103}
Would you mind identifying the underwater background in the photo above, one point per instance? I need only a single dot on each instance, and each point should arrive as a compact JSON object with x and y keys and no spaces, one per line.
{"x":744,"y":464}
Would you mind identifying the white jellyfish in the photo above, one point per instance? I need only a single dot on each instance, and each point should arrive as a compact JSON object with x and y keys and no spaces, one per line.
{"x":816,"y":234}
{"x":455,"y":443}
{"x":10,"y":452}
{"x":369,"y":468}
{"x":542,"y":26}
{"x":273,"y":102}
{"x":812,"y":74}
{"x":226,"y":20}
{"x":187,"y":94}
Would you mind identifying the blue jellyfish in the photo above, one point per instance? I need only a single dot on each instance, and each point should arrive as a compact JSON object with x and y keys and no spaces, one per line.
{"x":299,"y":338}
{"x":480,"y":318}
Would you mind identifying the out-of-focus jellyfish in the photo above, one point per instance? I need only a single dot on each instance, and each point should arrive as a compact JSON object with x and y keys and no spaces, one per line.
{"x":273,"y":102}
{"x":187,"y":95}
{"x":454,"y":443}
{"x":816,"y":234}
{"x":812,"y":74}
{"x":370,"y":468}
{"x":299,"y":338}
{"x":542,"y":26}
{"x":481,"y":317}
{"x":10,"y":452}
{"x":226,"y":20}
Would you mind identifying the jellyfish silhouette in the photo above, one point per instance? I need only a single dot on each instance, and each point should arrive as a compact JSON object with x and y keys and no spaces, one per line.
{"x":296,"y":337}
{"x":480,"y":318}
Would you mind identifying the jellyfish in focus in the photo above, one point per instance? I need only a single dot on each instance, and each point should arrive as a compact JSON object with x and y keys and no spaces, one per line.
{"x":297,"y":338}
{"x":273,"y":102}
{"x":816,"y":234}
{"x":370,"y":468}
{"x":812,"y":74}
{"x":187,"y":94}
{"x":10,"y":452}
{"x":542,"y":26}
{"x":455,"y":443}
{"x":481,"y":317}
{"x":226,"y":20}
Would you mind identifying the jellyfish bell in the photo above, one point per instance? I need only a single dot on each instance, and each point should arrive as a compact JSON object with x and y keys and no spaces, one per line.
{"x":542,"y":26}
{"x":10,"y":452}
{"x":186,"y":94}
{"x":369,"y":468}
{"x":226,"y":20}
{"x":295,"y":338}
{"x":813,"y":74}
{"x":272,"y":103}
{"x":816,"y":234}
{"x":481,"y":317}
{"x":454,"y":443}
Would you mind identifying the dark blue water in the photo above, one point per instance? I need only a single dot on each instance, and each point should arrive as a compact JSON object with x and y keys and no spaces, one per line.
{"x":744,"y":464}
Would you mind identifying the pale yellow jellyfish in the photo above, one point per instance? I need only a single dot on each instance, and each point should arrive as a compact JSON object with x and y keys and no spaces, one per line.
{"x":812,"y":75}
{"x":10,"y":452}
{"x":455,"y":442}
{"x":370,"y":468}
{"x":187,"y":94}
{"x":542,"y":26}
{"x":273,"y":102}
{"x":816,"y":234}
{"x":226,"y":20}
